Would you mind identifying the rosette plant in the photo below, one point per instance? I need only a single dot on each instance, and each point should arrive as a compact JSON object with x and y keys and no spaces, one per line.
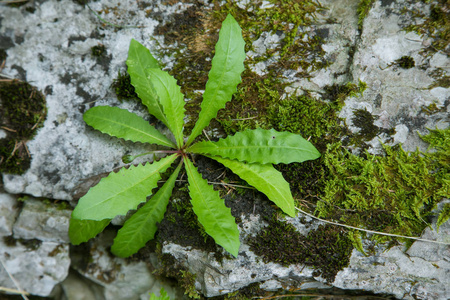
{"x":249,"y":154}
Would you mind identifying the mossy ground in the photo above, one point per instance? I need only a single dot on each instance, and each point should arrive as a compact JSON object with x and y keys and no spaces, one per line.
{"x":326,"y":249}
{"x":22,"y":112}
{"x":394,"y":192}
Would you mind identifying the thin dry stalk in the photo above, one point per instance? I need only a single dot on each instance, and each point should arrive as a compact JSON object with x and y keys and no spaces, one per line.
{"x":372,"y":231}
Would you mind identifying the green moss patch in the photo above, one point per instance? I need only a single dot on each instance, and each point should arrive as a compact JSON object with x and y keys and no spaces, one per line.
{"x":395,"y":192}
{"x":364,"y":7}
{"x":123,"y":88}
{"x":22,"y":112}
{"x":98,"y":51}
{"x":326,"y":249}
{"x":405,"y":62}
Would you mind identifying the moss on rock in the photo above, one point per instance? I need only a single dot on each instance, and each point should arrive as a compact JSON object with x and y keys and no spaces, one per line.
{"x":326,"y":249}
{"x":22,"y":112}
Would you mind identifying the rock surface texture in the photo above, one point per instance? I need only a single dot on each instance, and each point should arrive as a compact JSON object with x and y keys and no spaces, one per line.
{"x":50,"y":44}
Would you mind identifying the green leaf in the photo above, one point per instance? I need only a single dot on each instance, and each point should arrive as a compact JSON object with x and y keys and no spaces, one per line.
{"x":260,"y":146}
{"x":121,"y":191}
{"x":141,"y":227}
{"x":171,"y":99}
{"x":163,"y":296}
{"x":211,"y":211}
{"x":139,"y":62}
{"x":123,"y":124}
{"x":81,"y":231}
{"x":265,"y":179}
{"x":225,"y":74}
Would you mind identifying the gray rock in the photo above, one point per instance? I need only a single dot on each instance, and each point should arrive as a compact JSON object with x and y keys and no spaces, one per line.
{"x":65,"y":152}
{"x":422,"y":272}
{"x":8,"y":213}
{"x":120,"y":278}
{"x":37,"y":269}
{"x":76,"y":287}
{"x":215,"y":278}
{"x":46,"y":222}
{"x":396,"y":95}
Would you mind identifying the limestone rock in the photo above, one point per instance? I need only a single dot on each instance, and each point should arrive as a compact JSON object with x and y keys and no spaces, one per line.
{"x":120,"y":278}
{"x":422,"y":272}
{"x":8,"y":213}
{"x":215,"y":278}
{"x":36,"y":266}
{"x":65,"y":152}
{"x":396,"y":95}
{"x":46,"y":222}
{"x":75,"y":287}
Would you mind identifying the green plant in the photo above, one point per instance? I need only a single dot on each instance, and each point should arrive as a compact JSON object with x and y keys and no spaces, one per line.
{"x":250,"y":154}
{"x":163,"y":295}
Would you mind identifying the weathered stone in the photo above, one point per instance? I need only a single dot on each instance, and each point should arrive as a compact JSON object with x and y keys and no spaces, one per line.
{"x":36,"y":266}
{"x":422,"y":272}
{"x":397,"y":95}
{"x":120,"y":278}
{"x":66,"y":151}
{"x":76,"y":287}
{"x":8,"y":213}
{"x":215,"y":278}
{"x":46,"y":222}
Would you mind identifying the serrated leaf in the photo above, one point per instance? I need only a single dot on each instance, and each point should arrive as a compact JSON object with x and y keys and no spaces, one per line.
{"x":260,"y":146}
{"x":142,"y":225}
{"x":119,"y":192}
{"x":171,"y":99}
{"x":139,"y":61}
{"x":265,"y":179}
{"x":81,"y":231}
{"x":211,"y":211}
{"x":225,"y":74}
{"x":163,"y":296}
{"x":123,"y":124}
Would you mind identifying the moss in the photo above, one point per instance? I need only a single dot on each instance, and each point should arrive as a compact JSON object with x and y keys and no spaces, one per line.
{"x":98,"y":51}
{"x":364,"y":7}
{"x":337,"y":93}
{"x":9,"y":241}
{"x":298,"y":50}
{"x":394,"y":193}
{"x":188,"y":283}
{"x":17,"y":4}
{"x":326,"y":249}
{"x":30,"y":244}
{"x":180,"y":224}
{"x":261,"y":102}
{"x":249,"y":292}
{"x":405,"y":62}
{"x":442,"y":82}
{"x":433,"y":108}
{"x":171,"y":268}
{"x":365,"y":121}
{"x":194,"y":33}
{"x":22,"y":112}
{"x":3,"y":56}
{"x":444,"y":216}
{"x":123,"y":88}
{"x":435,"y":24}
